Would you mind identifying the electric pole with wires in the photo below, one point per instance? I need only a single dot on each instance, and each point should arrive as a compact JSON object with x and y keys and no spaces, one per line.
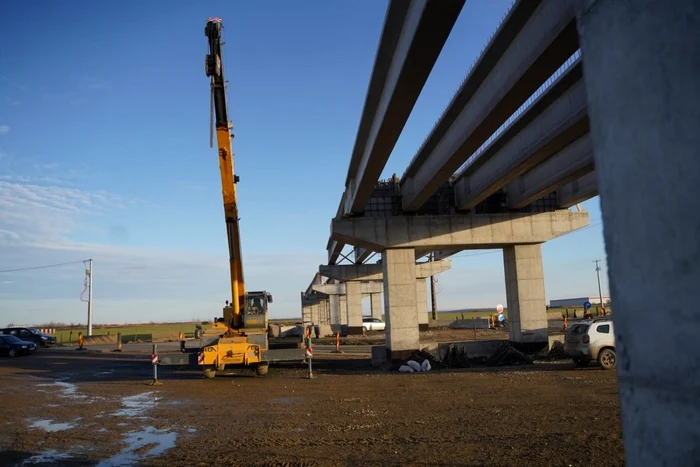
{"x":88,"y":288}
{"x":600,"y":290}
{"x":433,"y":293}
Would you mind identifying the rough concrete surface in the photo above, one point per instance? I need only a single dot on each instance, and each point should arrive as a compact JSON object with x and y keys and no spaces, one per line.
{"x":83,"y":408}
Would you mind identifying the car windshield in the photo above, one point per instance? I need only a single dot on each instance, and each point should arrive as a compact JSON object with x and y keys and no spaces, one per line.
{"x":35,"y":331}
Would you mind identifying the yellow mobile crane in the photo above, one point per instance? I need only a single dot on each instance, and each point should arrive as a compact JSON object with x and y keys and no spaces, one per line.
{"x":240,"y":336}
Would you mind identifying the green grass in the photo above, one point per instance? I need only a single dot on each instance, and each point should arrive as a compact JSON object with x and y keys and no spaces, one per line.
{"x":64,"y":335}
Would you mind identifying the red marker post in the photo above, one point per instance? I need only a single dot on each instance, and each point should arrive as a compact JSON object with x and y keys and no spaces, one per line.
{"x":154,"y":361}
{"x":309,"y":351}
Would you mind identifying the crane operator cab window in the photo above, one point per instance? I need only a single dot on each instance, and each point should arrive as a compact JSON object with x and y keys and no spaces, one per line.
{"x":256,"y":305}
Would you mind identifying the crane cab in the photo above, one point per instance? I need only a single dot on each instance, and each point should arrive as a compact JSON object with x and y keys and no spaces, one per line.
{"x":254,"y":313}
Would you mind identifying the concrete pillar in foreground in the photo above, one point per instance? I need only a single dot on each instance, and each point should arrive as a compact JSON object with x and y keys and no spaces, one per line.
{"x":376,"y":305}
{"x":422,"y":304}
{"x":334,"y":302}
{"x":399,"y":271}
{"x":642,"y":62}
{"x":527,"y":308}
{"x":343,"y":310}
{"x":354,"y":307}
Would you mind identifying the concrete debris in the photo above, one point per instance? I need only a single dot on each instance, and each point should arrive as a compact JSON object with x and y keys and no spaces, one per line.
{"x":455,"y":356}
{"x":557,"y":351}
{"x":508,"y":355}
{"x":413,"y":366}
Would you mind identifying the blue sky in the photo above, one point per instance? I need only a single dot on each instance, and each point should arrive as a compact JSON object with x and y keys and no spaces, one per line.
{"x":104,"y":153}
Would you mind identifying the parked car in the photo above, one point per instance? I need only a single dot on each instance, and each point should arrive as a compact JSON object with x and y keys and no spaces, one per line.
{"x":373,"y":324}
{"x":13,"y":346}
{"x":592,"y":340}
{"x":30,"y":335}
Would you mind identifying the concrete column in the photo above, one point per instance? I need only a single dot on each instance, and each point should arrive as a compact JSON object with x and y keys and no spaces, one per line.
{"x":325,"y":311}
{"x":399,"y":272}
{"x":343,"y":310}
{"x":642,"y":62}
{"x":376,"y":305}
{"x":422,"y":305}
{"x":527,"y":310}
{"x":334,"y":301}
{"x":354,"y":307}
{"x":315,"y":317}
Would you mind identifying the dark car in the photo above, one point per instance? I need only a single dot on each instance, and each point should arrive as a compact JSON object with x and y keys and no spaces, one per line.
{"x":30,"y":335}
{"x":13,"y":346}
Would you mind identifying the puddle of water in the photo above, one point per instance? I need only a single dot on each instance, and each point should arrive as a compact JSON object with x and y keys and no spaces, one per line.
{"x":103,"y":430}
{"x":50,"y":427}
{"x":192,"y":430}
{"x":104,"y":373}
{"x":46,"y":457}
{"x":137,"y":405}
{"x":68,"y":390}
{"x":158,"y":442}
{"x":287,"y":400}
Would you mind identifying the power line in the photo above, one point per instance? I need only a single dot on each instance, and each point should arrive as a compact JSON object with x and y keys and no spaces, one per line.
{"x":43,"y":267}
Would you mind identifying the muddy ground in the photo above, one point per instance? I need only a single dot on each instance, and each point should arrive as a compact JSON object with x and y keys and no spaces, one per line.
{"x":88,"y":408}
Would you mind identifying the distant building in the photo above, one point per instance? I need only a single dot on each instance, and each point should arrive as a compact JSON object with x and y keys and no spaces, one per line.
{"x":578,"y":302}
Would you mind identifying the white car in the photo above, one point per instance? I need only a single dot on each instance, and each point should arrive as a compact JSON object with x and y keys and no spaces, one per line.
{"x":592,"y":340}
{"x":372,"y":324}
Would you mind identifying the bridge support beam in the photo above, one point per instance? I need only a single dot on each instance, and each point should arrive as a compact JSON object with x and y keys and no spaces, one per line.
{"x":642,"y":68}
{"x":527,"y":308}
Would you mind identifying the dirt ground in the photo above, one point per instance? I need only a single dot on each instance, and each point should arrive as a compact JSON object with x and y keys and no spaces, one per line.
{"x":68,"y":408}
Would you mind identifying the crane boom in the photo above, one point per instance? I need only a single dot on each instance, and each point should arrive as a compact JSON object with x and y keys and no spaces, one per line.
{"x":224,"y":138}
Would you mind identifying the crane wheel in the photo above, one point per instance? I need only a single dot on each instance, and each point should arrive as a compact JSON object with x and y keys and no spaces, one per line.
{"x":209,"y":372}
{"x":261,"y":369}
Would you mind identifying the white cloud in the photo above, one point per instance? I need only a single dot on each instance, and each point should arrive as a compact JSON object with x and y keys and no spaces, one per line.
{"x":43,"y":224}
{"x":4,"y":129}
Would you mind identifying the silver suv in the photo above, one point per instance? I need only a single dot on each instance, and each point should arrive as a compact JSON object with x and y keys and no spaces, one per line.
{"x":592,"y":340}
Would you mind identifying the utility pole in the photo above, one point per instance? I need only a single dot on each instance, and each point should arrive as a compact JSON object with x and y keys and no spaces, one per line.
{"x":433,"y":295}
{"x":600,"y":291}
{"x":89,"y":319}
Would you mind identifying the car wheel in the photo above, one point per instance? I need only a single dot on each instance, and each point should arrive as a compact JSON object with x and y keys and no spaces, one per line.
{"x":582,"y":362}
{"x":364,"y":329}
{"x":12,"y":353}
{"x":607,"y":359}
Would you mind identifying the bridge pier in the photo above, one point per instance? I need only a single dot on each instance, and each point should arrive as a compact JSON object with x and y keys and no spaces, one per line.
{"x":422,"y":304}
{"x":520,"y":235}
{"x":354,"y":307}
{"x":376,"y":305}
{"x":399,"y":268}
{"x":527,"y":307}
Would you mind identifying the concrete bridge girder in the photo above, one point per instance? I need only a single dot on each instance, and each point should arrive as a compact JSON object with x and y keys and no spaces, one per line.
{"x":473,"y":231}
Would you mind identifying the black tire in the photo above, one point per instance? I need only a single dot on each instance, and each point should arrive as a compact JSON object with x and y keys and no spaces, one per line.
{"x":261,"y":369}
{"x":209,"y":372}
{"x":582,"y":362}
{"x":12,"y":353}
{"x":364,"y":329}
{"x":607,"y":359}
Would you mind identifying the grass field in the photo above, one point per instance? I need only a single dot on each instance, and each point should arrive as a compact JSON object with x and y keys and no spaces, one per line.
{"x":146,"y":329}
{"x":71,"y":335}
